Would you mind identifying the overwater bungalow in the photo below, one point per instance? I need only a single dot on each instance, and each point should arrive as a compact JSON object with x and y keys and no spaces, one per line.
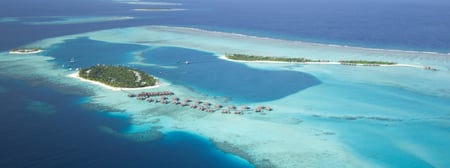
{"x":209,"y":110}
{"x":197,"y":101}
{"x":268,"y":108}
{"x":184,"y":104}
{"x":150,"y":100}
{"x":193,"y":106}
{"x":207,"y":104}
{"x":150,"y":94}
{"x":131,"y":95}
{"x":258,"y":109}
{"x":218,"y":106}
{"x":238,"y":112}
{"x":225,"y":111}
{"x":430,"y":68}
{"x":201,"y":108}
{"x":231,"y":107}
{"x":186,"y":100}
{"x":244,"y":107}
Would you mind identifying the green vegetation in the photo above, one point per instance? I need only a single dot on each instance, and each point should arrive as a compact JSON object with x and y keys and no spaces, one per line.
{"x":117,"y":76}
{"x":25,"y":49}
{"x":363,"y":62}
{"x":244,"y":57}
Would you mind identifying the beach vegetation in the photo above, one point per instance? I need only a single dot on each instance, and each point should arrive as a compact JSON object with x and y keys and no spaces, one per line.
{"x":244,"y":57}
{"x":117,"y":76}
{"x":365,"y":62}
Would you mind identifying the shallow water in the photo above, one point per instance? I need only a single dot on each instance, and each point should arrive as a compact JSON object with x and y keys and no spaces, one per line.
{"x":205,"y":72}
{"x":392,"y":117}
{"x":86,"y":53}
{"x":216,"y":77}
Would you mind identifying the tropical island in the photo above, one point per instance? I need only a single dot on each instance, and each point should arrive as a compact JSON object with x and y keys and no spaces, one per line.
{"x":256,"y":58}
{"x":244,"y":57}
{"x":365,"y":62}
{"x":117,"y":76}
{"x":25,"y":51}
{"x":158,"y":9}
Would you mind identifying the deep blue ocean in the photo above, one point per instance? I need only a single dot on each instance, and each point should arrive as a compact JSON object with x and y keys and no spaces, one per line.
{"x":42,"y":127}
{"x":398,"y":24}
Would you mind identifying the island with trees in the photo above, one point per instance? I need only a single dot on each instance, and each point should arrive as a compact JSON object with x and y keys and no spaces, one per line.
{"x":25,"y":51}
{"x":117,"y":76}
{"x":365,"y":62}
{"x":158,"y":9}
{"x":244,"y":57}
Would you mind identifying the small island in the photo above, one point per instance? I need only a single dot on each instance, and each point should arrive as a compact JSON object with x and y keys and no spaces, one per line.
{"x":117,"y":76}
{"x":25,"y":51}
{"x":365,"y":62}
{"x":158,"y":9}
{"x":244,"y":57}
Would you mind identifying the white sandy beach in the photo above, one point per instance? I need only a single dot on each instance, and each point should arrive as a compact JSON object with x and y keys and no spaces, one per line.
{"x":76,"y":76}
{"x":319,"y":63}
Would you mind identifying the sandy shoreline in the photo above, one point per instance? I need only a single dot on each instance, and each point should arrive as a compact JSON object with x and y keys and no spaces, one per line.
{"x":320,"y":63}
{"x":76,"y":76}
{"x":25,"y":52}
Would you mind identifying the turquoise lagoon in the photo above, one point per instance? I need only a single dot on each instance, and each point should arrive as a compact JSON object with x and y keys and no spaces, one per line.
{"x":325,"y":115}
{"x":205,"y":72}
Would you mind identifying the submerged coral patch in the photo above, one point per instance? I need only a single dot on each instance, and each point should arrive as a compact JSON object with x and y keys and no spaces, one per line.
{"x":40,"y":107}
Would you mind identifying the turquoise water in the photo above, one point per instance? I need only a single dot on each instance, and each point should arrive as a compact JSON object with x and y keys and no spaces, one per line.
{"x":387,"y":125}
{"x":383,"y":120}
{"x":394,"y":143}
{"x":208,"y":74}
{"x":88,"y":53}
{"x":383,"y":123}
{"x":205,"y":73}
{"x":393,"y":122}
